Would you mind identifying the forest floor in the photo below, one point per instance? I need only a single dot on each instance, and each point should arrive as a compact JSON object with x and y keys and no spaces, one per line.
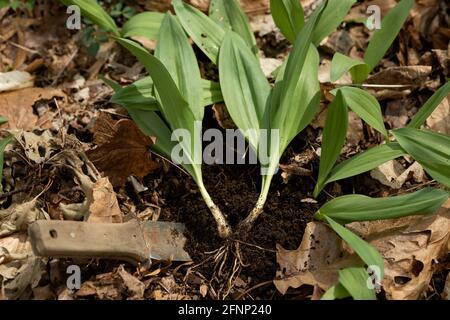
{"x":61,"y":115}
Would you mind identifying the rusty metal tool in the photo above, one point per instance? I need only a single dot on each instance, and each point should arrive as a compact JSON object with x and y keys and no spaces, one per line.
{"x":132,"y":241}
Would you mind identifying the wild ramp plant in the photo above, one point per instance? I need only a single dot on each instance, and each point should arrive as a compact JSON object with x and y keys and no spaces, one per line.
{"x":218,"y":41}
{"x":174,"y":94}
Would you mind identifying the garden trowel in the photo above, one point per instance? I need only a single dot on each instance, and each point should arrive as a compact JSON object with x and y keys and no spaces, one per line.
{"x":132,"y":241}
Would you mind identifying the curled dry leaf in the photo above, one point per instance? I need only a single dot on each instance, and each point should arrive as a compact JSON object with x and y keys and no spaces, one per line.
{"x":410,"y":247}
{"x":439,"y":120}
{"x":123,"y":150}
{"x":222,"y":116}
{"x":17,"y":106}
{"x":409,"y":75}
{"x":316,"y":261}
{"x":104,"y":207}
{"x":394,"y":175}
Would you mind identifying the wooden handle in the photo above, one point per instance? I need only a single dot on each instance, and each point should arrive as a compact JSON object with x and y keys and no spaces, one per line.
{"x":64,"y":239}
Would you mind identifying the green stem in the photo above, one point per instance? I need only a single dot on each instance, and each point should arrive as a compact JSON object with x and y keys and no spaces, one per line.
{"x":222,"y":223}
{"x":248,"y":222}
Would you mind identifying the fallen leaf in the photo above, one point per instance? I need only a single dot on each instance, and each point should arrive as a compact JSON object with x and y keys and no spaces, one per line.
{"x":269,"y":65}
{"x":104,"y":207}
{"x":17,"y":106}
{"x":15,"y":80}
{"x":315,"y":262}
{"x":410,"y":247}
{"x":122,"y":152}
{"x":439,"y":120}
{"x":394,"y":175}
{"x":135,"y":288}
{"x":408,"y":75}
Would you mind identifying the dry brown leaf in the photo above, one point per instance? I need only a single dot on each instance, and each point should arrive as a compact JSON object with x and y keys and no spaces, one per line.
{"x":410,"y":251}
{"x":394,"y":175}
{"x":17,"y":106}
{"x":135,"y":288}
{"x":408,"y":75}
{"x":104,"y":208}
{"x":410,"y":247}
{"x":123,"y":151}
{"x":249,"y":6}
{"x":15,"y":80}
{"x":315,"y":262}
{"x":439,"y":120}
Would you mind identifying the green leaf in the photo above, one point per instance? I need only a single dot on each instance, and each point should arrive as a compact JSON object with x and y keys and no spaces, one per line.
{"x":332,"y":16}
{"x":145,"y":24}
{"x":336,"y":292}
{"x":94,"y":12}
{"x":357,"y":207}
{"x":3,"y":144}
{"x":244,"y":87}
{"x":342,"y":64}
{"x":430,"y":149}
{"x":152,"y":125}
{"x":427,"y":109}
{"x":3,"y":120}
{"x":212,"y":93}
{"x":298,"y":87}
{"x":354,"y":280}
{"x":288,"y":16}
{"x":138,"y":95}
{"x":365,"y":105}
{"x":230,"y":16}
{"x":366,"y":161}
{"x":333,"y":138}
{"x":174,"y":108}
{"x":383,"y":38}
{"x":364,"y":250}
{"x":206,"y":34}
{"x":177,"y":55}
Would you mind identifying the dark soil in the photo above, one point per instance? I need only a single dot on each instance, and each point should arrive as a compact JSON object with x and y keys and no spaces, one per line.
{"x":235,"y":189}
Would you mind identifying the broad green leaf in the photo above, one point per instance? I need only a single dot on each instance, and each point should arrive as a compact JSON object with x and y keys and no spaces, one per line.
{"x":357,"y":207}
{"x":365,"y":251}
{"x":366,"y":161}
{"x":427,"y":109}
{"x":138,"y":95}
{"x":354,"y":280}
{"x":3,"y":120}
{"x":94,"y":12}
{"x":113,"y":84}
{"x":288,"y":16}
{"x":336,"y":292}
{"x":3,"y":144}
{"x":174,"y":108}
{"x":212,"y":93}
{"x":430,"y":149}
{"x":383,"y":38}
{"x":365,"y":105}
{"x":244,"y":87}
{"x":230,"y":16}
{"x":298,"y":87}
{"x":151,"y":124}
{"x":333,"y":138}
{"x":145,"y":24}
{"x":342,"y":64}
{"x":206,"y":34}
{"x":332,"y":16}
{"x":178,"y":56}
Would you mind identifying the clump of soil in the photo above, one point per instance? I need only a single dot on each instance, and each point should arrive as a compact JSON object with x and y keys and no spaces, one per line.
{"x":235,"y":189}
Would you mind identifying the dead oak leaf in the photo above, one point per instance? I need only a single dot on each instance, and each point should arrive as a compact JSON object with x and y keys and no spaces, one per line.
{"x":125,"y":151}
{"x":439,"y":120}
{"x":17,"y":106}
